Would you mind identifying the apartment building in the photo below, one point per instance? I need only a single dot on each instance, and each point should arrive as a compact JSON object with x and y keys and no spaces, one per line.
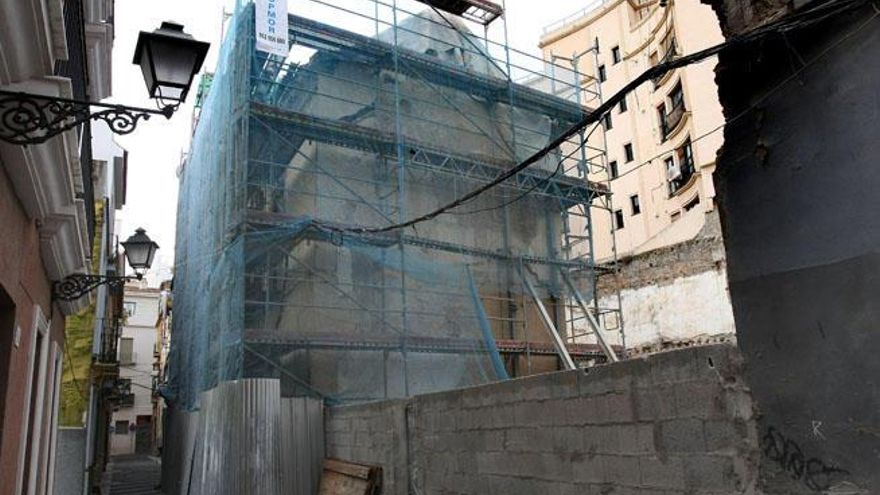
{"x":660,"y":146}
{"x":132,"y":423}
{"x":160,"y":361}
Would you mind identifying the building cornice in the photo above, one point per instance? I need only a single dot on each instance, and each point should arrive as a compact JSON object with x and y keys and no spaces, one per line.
{"x":46,"y":178}
{"x":99,"y":44}
{"x":586,"y":20}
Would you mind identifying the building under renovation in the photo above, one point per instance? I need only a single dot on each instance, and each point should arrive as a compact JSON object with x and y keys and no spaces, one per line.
{"x":381,"y":112}
{"x":308,"y":288}
{"x":281,"y":269}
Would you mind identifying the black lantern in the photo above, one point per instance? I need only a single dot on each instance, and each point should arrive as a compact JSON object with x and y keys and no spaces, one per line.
{"x":139,"y":250}
{"x":169,"y":59}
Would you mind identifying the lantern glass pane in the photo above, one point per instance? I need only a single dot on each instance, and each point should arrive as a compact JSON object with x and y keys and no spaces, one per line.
{"x":138,"y":254}
{"x":169,"y":92}
{"x":149,"y":77}
{"x":174,"y":62}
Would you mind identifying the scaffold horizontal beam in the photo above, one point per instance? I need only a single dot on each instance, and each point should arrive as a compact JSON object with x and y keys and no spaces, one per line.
{"x":258,"y":221}
{"x":415,"y":344}
{"x":297,"y":126}
{"x":356,"y":47}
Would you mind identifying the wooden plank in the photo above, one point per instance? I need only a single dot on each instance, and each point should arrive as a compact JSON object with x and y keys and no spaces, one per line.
{"x":348,"y":478}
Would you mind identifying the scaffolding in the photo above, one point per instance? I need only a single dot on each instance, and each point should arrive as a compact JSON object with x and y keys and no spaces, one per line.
{"x":382,"y":111}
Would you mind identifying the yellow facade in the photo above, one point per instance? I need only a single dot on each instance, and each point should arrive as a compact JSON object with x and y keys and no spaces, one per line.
{"x":663,"y":191}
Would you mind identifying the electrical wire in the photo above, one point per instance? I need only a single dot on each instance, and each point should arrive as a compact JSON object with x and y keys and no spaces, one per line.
{"x":805,"y":64}
{"x":556,"y":172}
{"x":791,"y":22}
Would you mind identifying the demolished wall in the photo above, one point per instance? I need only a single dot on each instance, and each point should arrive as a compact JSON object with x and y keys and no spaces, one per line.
{"x":673,"y":296}
{"x":678,"y":422}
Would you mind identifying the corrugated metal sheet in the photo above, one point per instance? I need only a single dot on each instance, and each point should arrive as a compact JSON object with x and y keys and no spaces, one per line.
{"x":302,"y":442}
{"x":245,"y":439}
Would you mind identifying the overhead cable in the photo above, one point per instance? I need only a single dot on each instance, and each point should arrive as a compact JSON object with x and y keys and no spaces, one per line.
{"x":798,"y":20}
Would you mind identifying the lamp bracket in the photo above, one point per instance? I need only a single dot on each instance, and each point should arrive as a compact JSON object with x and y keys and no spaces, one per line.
{"x":79,"y":284}
{"x":33,"y":119}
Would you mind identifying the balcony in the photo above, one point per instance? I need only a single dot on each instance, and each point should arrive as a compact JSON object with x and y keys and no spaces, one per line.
{"x":109,"y":342}
{"x":680,"y":175}
{"x":669,"y":53}
{"x":122,"y":395}
{"x":670,"y":122}
{"x":125,"y":400}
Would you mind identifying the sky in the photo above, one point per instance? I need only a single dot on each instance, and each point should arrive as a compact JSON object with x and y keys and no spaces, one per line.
{"x":156,"y":147}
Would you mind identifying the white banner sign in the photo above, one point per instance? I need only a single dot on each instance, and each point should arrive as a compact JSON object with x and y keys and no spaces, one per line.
{"x":271,"y":21}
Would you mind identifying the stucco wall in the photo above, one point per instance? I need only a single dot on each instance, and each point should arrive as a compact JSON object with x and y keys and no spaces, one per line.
{"x":140,"y":326}
{"x":22,"y":276}
{"x":614,"y":23}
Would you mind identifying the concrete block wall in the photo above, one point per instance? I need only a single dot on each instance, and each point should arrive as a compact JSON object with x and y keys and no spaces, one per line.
{"x":672,"y":423}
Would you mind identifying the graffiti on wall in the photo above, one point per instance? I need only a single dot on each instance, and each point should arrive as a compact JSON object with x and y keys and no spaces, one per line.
{"x":813,"y":472}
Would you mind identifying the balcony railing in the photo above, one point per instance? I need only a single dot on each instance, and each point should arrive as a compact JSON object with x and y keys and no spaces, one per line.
{"x":685,"y":171}
{"x":670,"y":52}
{"x":110,"y":340}
{"x":670,"y":120}
{"x":125,"y":400}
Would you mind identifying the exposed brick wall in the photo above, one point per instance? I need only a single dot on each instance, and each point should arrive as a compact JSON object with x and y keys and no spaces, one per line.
{"x":703,"y":253}
{"x":674,"y":423}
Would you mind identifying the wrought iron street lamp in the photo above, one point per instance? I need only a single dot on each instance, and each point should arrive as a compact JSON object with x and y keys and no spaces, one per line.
{"x":139,"y":250}
{"x":169,"y":59}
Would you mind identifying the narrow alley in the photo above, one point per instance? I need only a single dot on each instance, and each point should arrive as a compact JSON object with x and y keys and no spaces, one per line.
{"x":133,"y":475}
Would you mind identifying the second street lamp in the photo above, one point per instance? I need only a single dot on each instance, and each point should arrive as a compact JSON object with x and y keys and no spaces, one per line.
{"x":139,"y":250}
{"x":173,"y":58}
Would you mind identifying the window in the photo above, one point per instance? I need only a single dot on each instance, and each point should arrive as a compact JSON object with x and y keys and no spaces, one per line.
{"x":692,"y":203}
{"x":676,"y":97}
{"x":612,"y":169}
{"x":672,"y":170}
{"x":628,"y":152}
{"x":606,"y":121}
{"x":615,"y":54}
{"x":634,"y":204}
{"x":130,"y":308}
{"x":126,"y":350}
{"x":622,"y":106}
{"x":120,"y":427}
{"x":680,"y":169}
{"x":618,"y":219}
{"x":602,"y":75}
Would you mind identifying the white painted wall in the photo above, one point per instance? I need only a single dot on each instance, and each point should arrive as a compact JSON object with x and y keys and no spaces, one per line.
{"x":685,"y":308}
{"x":141,"y":326}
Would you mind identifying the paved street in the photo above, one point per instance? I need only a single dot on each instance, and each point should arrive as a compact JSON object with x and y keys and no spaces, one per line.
{"x":133,"y":475}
